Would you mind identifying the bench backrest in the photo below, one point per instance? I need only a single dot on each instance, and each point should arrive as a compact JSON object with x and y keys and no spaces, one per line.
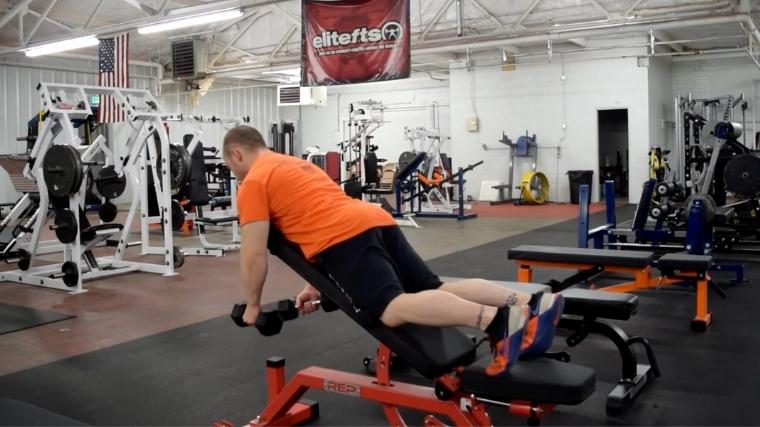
{"x":431,"y":351}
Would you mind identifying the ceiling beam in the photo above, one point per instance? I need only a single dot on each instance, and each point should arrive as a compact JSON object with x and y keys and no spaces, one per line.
{"x":137,"y":5}
{"x":52,"y":21}
{"x":284,"y":13}
{"x":39,"y":21}
{"x":238,"y":50}
{"x":162,"y":8}
{"x":633,"y":7}
{"x":601,"y":8}
{"x":582,"y":42}
{"x":92,"y":15}
{"x":663,"y":36}
{"x":20,"y":29}
{"x":284,"y":40}
{"x":9,"y":15}
{"x":526,"y":13}
{"x":245,"y":16}
{"x":237,"y":36}
{"x":435,"y":19}
{"x":488,"y":13}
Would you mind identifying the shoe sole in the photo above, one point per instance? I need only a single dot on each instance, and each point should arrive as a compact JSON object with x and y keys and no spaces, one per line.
{"x":546,"y":326}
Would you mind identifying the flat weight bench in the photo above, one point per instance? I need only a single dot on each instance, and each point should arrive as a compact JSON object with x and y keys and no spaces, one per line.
{"x":444,"y":355}
{"x":588,"y":312}
{"x":674,"y":269}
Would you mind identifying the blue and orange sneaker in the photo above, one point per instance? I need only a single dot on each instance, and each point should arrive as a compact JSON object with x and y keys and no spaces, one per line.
{"x":506,"y":338}
{"x":545,"y":312}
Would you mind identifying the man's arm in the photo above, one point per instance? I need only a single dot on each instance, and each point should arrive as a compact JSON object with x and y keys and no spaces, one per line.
{"x":253,"y":265}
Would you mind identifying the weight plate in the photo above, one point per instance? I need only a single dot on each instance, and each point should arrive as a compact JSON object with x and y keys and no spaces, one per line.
{"x":178,"y":215}
{"x":109,"y":183}
{"x":178,"y":256}
{"x":65,"y":226}
{"x":708,"y":205}
{"x":70,"y":274}
{"x":107,"y":212}
{"x":405,"y":158}
{"x":179,"y":165}
{"x":742,"y":175}
{"x":24,"y":259}
{"x":62,"y":170}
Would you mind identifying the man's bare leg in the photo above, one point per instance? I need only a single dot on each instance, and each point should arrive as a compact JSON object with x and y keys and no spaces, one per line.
{"x":486,"y":292}
{"x":437,"y":308}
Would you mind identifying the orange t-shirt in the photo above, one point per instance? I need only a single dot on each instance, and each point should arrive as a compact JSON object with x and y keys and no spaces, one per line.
{"x":304,"y":203}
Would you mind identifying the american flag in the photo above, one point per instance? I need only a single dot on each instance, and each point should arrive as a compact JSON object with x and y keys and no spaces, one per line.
{"x":113,"y":63}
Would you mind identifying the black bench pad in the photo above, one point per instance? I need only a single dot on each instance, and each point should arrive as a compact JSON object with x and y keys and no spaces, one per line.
{"x":431,"y":351}
{"x":684,"y":262}
{"x":605,"y":305}
{"x":216,"y":220}
{"x":536,"y":380}
{"x":606,"y":257}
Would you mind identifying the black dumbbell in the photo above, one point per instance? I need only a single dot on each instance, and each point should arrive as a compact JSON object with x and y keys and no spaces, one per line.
{"x":272,"y":316}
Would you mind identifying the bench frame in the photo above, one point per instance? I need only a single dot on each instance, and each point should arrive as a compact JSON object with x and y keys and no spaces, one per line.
{"x":446,"y":399}
{"x":642,"y":279}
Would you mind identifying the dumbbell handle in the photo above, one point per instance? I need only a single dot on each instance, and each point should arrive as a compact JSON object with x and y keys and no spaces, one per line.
{"x":239,"y":309}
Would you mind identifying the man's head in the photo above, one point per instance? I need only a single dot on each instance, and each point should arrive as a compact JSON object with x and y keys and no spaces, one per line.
{"x":241,"y":146}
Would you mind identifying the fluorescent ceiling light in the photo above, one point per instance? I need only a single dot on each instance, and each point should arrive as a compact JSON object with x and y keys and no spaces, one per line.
{"x":190,"y":21}
{"x":62,"y":46}
{"x":287,"y":72}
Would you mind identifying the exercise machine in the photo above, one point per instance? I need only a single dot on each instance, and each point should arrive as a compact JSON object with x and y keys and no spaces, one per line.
{"x":358,"y":153}
{"x":534,"y":185}
{"x":283,"y":138}
{"x":446,"y":357}
{"x":702,"y":196}
{"x":57,"y":166}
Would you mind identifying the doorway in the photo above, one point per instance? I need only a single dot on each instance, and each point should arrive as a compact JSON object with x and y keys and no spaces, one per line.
{"x":613,"y":150}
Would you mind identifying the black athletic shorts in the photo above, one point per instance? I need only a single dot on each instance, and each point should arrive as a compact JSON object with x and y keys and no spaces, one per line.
{"x":376,"y":266}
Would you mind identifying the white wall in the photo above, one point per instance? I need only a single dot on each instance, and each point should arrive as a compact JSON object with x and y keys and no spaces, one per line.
{"x":716,"y":77}
{"x":260,"y":104}
{"x":408,"y":103}
{"x":19,"y":100}
{"x":661,"y":102}
{"x":537,"y":99}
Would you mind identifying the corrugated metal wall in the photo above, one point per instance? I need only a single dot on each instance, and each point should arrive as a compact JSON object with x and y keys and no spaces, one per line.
{"x":19,"y":100}
{"x":260,"y":104}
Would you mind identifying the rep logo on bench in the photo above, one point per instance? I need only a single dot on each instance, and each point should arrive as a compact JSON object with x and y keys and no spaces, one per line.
{"x":348,"y":389}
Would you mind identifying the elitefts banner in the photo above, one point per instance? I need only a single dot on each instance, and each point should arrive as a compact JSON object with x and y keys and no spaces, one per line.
{"x":354,"y":41}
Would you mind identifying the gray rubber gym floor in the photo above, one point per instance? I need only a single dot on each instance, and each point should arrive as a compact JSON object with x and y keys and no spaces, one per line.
{"x":197,"y":374}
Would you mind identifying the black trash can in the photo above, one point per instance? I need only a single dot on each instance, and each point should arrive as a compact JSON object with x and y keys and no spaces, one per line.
{"x":578,"y":178}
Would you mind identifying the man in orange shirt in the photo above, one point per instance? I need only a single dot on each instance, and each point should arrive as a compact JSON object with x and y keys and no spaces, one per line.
{"x":363,"y":249}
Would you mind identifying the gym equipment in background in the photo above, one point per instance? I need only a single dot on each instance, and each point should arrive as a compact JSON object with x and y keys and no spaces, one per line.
{"x":54,"y":185}
{"x":358,"y":155}
{"x":327,"y":161}
{"x":283,"y":138}
{"x":534,"y":186}
{"x":706,"y":201}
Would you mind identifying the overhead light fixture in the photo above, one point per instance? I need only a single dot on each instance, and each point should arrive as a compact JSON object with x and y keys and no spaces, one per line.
{"x":62,"y":46}
{"x":190,"y":21}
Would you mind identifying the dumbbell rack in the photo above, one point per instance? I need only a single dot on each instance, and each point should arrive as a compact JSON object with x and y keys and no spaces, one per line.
{"x":142,"y":113}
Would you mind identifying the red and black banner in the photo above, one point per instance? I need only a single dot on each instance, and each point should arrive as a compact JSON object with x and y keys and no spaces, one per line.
{"x":354,"y":41}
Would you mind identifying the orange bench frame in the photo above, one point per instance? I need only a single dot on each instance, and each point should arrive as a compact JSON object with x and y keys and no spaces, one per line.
{"x":642,"y":279}
{"x":285,"y":409}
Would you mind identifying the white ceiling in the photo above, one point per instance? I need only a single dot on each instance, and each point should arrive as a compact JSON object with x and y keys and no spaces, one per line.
{"x":271,"y":31}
